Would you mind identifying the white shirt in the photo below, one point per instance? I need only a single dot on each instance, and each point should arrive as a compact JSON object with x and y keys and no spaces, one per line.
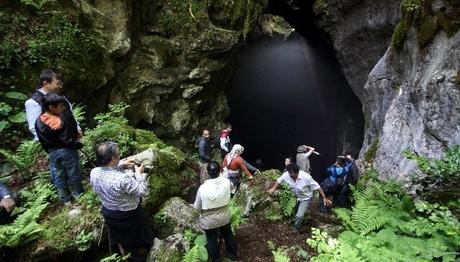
{"x":303,"y":187}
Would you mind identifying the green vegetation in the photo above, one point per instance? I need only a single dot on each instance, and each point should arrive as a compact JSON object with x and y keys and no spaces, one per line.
{"x":418,"y":14}
{"x":387,"y":225}
{"x":371,"y":151}
{"x":441,"y":179}
{"x":177,"y":15}
{"x":198,"y":252}
{"x":279,"y":253}
{"x":42,"y":33}
{"x":25,"y":228}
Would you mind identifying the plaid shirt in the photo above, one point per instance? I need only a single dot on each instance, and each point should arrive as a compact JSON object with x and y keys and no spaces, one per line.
{"x":117,"y":190}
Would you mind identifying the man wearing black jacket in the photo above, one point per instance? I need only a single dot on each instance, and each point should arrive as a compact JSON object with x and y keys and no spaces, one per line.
{"x":58,"y":135}
{"x":204,"y":153}
{"x":350,"y":179}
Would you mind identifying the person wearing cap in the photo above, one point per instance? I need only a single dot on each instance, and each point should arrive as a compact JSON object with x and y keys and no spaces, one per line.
{"x":212,"y":201}
{"x":302,"y":157}
{"x":233,"y":166}
{"x":7,"y":204}
{"x":302,"y":185}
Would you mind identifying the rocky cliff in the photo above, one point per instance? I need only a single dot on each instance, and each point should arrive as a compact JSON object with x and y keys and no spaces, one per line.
{"x":411,"y":98}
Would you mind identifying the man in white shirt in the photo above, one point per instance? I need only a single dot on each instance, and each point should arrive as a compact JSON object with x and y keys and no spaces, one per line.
{"x":302,"y":185}
{"x":50,"y":82}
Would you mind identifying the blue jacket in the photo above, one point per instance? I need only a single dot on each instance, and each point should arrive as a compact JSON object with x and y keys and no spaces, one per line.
{"x":335,"y":172}
{"x":4,"y":191}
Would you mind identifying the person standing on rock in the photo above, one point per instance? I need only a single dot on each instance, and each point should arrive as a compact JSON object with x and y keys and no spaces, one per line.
{"x":204,"y":153}
{"x":224,"y":139}
{"x":212,"y":201}
{"x":234,"y":165}
{"x":302,"y":157}
{"x":50,"y":82}
{"x":120,"y":194}
{"x":302,"y":185}
{"x":59,"y":137}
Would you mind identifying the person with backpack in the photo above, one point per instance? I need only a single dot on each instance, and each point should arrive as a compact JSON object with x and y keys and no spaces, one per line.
{"x":350,"y":179}
{"x":59,"y":138}
{"x":336,"y":179}
{"x":204,"y":154}
{"x":233,"y":166}
{"x":50,"y":82}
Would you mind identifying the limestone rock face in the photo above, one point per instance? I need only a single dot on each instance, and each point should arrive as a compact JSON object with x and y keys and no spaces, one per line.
{"x":412,"y":101}
{"x":175,"y":78}
{"x":360,"y":32}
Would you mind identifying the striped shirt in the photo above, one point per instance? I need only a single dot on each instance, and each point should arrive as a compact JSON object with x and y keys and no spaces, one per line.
{"x":117,"y":190}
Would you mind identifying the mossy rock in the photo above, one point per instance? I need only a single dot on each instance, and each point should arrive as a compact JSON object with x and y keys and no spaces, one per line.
{"x":175,"y":216}
{"x":66,"y":231}
{"x":369,"y":156}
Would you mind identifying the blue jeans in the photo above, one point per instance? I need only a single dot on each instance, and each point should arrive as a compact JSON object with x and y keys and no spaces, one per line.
{"x":301,"y":210}
{"x":65,"y":166}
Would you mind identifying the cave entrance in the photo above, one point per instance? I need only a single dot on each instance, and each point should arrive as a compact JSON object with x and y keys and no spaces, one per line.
{"x":286,"y":93}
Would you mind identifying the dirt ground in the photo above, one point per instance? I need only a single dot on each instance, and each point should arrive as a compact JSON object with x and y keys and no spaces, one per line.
{"x":252,"y":237}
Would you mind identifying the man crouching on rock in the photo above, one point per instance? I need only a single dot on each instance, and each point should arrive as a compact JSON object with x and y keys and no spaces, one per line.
{"x":302,"y":185}
{"x":212,"y":201}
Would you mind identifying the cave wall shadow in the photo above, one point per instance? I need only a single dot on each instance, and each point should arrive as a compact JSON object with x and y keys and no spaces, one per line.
{"x":285,"y":93}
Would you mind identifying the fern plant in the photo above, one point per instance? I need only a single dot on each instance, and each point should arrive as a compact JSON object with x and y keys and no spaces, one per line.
{"x":279,"y":253}
{"x":24,"y":157}
{"x":288,"y":201}
{"x":236,"y":213}
{"x":25,"y":227}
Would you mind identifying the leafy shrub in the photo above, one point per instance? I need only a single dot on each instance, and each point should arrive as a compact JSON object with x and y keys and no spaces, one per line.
{"x":386,"y":225}
{"x":236,"y":212}
{"x":279,"y":253}
{"x":442,"y":176}
{"x":198,"y":252}
{"x":25,"y":157}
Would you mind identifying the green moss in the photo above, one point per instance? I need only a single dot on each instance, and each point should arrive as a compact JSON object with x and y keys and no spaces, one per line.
{"x":146,"y":137}
{"x":369,"y":156}
{"x":33,"y":40}
{"x":61,"y":232}
{"x":426,"y":31}
{"x":399,"y":36}
{"x":177,"y":15}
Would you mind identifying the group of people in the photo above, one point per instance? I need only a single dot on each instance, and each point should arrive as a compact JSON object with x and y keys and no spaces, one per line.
{"x":121,"y":184}
{"x":219,"y":184}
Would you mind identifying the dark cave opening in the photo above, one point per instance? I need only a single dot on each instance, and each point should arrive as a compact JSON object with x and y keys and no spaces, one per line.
{"x":286,"y":93}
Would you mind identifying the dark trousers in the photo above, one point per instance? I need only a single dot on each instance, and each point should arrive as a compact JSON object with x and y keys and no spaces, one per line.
{"x":213,"y":246}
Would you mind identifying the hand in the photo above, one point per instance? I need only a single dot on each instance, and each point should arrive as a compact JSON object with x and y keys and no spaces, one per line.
{"x":327,"y":202}
{"x":126,"y":163}
{"x":270,"y":191}
{"x":8,"y":203}
{"x":80,"y":134}
{"x":139,"y":169}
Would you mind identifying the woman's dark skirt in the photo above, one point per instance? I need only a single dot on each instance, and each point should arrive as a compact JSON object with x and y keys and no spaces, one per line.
{"x":128,"y":228}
